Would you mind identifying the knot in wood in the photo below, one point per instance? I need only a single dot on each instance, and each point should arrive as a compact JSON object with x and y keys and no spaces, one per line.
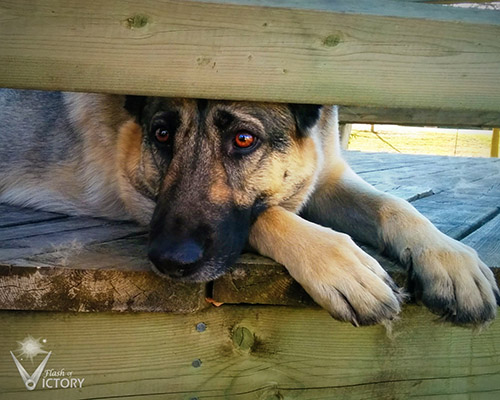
{"x":243,"y":338}
{"x":332,"y":40}
{"x":137,"y":21}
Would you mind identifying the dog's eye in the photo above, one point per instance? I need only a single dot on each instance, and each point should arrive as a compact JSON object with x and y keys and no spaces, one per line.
{"x":244,"y":140}
{"x":162,"y":135}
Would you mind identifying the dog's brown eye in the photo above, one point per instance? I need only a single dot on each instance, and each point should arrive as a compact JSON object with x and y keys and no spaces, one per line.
{"x":244,"y":140}
{"x":162,"y":135}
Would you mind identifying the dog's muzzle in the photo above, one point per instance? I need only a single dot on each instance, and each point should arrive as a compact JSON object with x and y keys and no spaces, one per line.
{"x":197,"y":241}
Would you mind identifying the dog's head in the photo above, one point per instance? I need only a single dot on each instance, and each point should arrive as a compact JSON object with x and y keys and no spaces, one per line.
{"x":211,"y":167}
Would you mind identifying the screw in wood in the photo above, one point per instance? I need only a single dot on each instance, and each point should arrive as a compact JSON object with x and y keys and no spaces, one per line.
{"x":201,"y":327}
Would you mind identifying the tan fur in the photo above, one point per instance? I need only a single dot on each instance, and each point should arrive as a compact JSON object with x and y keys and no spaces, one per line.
{"x":129,"y":161}
{"x":220,"y":192}
{"x":340,"y":277}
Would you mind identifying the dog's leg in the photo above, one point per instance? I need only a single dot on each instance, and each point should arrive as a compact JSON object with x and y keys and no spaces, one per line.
{"x":339,"y":276}
{"x":447,"y":275}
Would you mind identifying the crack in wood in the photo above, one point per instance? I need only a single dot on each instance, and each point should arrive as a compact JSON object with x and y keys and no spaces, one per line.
{"x":487,"y":218}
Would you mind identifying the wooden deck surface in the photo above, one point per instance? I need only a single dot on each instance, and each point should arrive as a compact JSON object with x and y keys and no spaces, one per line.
{"x":50,"y":261}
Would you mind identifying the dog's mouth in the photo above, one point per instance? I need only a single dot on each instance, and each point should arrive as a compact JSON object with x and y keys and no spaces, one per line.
{"x":200,"y":271}
{"x":184,"y":272}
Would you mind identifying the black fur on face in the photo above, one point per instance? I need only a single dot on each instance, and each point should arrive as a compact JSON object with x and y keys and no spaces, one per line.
{"x":306,"y":116}
{"x":134,"y":105}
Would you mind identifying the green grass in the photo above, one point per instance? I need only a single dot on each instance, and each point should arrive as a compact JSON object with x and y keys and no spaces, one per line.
{"x":421,"y":141}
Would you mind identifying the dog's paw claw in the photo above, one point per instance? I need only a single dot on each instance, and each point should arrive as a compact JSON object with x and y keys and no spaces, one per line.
{"x":368,"y":301}
{"x":347,"y":282}
{"x":455,"y":284}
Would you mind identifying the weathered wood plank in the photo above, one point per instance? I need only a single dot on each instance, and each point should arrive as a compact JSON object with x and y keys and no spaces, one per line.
{"x":486,"y":241}
{"x":112,"y":276}
{"x":471,"y":178}
{"x":252,"y":353}
{"x":49,"y":227}
{"x":409,"y":55}
{"x":126,"y":254}
{"x":363,"y":162}
{"x":457,"y":216}
{"x":259,"y":280}
{"x":68,"y":237}
{"x":418,"y":117}
{"x":14,"y":216}
{"x":399,"y":8}
{"x":91,"y":290}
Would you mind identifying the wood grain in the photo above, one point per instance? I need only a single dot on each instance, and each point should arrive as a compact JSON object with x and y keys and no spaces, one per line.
{"x":13,"y":216}
{"x":486,"y":240}
{"x":110,"y":276}
{"x":419,"y":117}
{"x":402,"y":54}
{"x":254,"y":352}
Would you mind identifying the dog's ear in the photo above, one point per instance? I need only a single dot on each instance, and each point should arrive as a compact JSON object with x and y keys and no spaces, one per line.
{"x":135,"y":105}
{"x":306,"y":116}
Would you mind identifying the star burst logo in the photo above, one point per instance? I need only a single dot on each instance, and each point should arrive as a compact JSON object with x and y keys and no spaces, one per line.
{"x":30,"y":348}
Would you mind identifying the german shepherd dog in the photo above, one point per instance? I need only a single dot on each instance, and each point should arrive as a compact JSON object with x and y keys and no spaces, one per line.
{"x":210,"y":176}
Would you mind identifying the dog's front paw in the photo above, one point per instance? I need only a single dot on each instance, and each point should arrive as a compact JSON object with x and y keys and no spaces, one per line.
{"x":347,"y":282}
{"x":453,"y":282}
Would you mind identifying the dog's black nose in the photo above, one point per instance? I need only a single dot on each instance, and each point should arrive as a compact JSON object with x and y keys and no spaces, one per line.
{"x":176,"y":258}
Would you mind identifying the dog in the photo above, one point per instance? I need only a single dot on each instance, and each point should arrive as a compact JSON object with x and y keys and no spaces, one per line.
{"x":208,"y":177}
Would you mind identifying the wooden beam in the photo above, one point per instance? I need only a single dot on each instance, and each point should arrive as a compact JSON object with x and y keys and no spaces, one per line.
{"x":251,"y":352}
{"x":419,"y":117}
{"x":345,"y":133}
{"x":408,"y":55}
{"x":469,"y":3}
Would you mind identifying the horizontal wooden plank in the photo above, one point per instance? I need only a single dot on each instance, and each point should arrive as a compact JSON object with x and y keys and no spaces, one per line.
{"x":428,"y":9}
{"x":419,"y":117}
{"x":252,"y":352}
{"x":65,"y":235}
{"x":486,"y":240}
{"x":259,"y":280}
{"x":477,"y":177}
{"x":49,"y":227}
{"x":113,"y":276}
{"x":94,"y":290}
{"x":14,"y":216}
{"x":408,"y":55}
{"x":456,"y":216}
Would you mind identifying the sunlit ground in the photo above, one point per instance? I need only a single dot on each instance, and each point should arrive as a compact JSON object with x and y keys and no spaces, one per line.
{"x":411,"y":140}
